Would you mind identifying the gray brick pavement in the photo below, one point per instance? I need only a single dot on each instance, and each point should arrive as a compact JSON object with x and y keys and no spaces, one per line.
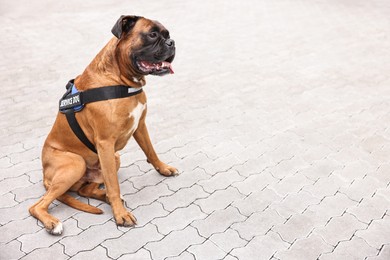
{"x":277,"y":118}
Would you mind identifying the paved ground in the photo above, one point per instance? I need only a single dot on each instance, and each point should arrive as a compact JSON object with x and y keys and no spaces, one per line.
{"x":277,"y":117}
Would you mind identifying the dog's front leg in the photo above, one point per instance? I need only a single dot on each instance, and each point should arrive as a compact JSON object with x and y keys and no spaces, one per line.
{"x":141,"y":135}
{"x":109,"y":170}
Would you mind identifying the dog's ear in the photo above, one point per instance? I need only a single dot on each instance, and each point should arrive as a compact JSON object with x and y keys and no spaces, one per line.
{"x":124,"y":24}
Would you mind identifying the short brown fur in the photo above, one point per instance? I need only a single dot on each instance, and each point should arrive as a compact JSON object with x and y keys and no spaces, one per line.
{"x":68,"y":165}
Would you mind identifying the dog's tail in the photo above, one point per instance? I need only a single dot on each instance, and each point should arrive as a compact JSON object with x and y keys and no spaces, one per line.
{"x":74,"y":203}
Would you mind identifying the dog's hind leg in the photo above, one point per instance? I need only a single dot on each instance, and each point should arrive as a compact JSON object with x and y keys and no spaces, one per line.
{"x":61,"y":172}
{"x":91,"y":190}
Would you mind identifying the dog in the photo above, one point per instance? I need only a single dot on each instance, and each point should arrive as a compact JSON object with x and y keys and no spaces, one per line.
{"x":140,"y":47}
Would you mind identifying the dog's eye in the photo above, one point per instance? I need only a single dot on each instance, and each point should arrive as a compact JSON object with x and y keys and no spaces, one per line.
{"x":153,"y":35}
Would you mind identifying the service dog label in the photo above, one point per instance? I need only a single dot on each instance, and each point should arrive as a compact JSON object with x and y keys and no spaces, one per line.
{"x":70,"y":101}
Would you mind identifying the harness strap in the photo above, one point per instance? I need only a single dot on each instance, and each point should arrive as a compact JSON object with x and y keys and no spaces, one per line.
{"x":73,"y":101}
{"x":76,"y":128}
{"x":106,"y":93}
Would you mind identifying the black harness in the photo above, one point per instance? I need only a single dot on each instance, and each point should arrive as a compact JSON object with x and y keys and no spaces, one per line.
{"x":74,"y":101}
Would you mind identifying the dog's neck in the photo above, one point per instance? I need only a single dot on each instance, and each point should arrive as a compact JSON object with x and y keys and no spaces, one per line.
{"x":107,"y":71}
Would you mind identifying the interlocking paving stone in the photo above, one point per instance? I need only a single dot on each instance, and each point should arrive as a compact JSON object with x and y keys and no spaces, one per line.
{"x":320,"y":169}
{"x":88,"y":239}
{"x":382,"y":174}
{"x":16,"y":228}
{"x":132,"y":241}
{"x":326,"y":186}
{"x":148,"y":179}
{"x":187,"y":179}
{"x":127,"y":187}
{"x":221,"y":151}
{"x":340,"y":229}
{"x":263,"y":247}
{"x":11,"y":250}
{"x":218,"y":221}
{"x":17,"y":212}
{"x":351,"y":249}
{"x":142,"y":167}
{"x":333,"y":206}
{"x":183,"y":256}
{"x":228,"y":240}
{"x":14,"y":183}
{"x":370,"y":208}
{"x":5,"y":162}
{"x":294,"y":203}
{"x":362,"y":188}
{"x":383,"y":254}
{"x":25,"y":156}
{"x":10,"y":149}
{"x":299,"y":226}
{"x":43,"y":239}
{"x":34,"y":191}
{"x":175,"y":243}
{"x":146,"y":213}
{"x":96,"y":253}
{"x":35,"y":175}
{"x":283,"y":152}
{"x":263,"y":221}
{"x":220,"y":181}
{"x":377,"y":232}
{"x":147,"y":195}
{"x":253,"y":166}
{"x":183,"y":197}
{"x":7,"y":200}
{"x":207,"y":250}
{"x":373,"y":143}
{"x":354,"y":170}
{"x":255,"y":183}
{"x":307,"y":248}
{"x":18,"y":170}
{"x":191,"y":162}
{"x":141,"y":254}
{"x":178,"y":219}
{"x":53,"y":252}
{"x":257,"y":201}
{"x":219,"y":200}
{"x":221,"y":164}
{"x":288,"y":166}
{"x":290,"y":184}
{"x":317,"y":153}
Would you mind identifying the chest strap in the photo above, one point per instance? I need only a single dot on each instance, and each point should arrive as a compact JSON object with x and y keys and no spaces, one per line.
{"x":74,"y":101}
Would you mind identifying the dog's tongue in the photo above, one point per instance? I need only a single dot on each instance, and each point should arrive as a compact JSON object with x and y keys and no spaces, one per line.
{"x":168,"y":65}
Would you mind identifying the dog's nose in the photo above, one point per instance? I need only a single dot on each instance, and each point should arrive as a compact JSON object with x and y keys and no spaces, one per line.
{"x":170,"y":42}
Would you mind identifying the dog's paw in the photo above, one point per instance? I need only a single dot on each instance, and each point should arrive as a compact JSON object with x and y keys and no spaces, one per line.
{"x":54,"y":228}
{"x":125,"y":219}
{"x":167,"y":170}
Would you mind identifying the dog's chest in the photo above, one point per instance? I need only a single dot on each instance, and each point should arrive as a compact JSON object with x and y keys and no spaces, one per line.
{"x":135,"y":116}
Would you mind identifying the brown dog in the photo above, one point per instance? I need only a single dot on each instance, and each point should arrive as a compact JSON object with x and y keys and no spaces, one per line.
{"x":141,"y":47}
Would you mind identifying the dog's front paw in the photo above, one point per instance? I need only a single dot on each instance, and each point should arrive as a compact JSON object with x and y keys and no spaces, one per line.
{"x":125,"y":219}
{"x":166,"y":170}
{"x":54,"y":227}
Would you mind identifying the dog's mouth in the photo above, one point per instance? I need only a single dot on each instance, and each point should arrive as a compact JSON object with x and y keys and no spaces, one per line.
{"x":155,"y":68}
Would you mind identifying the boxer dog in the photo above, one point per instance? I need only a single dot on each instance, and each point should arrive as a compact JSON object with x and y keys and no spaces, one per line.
{"x":140,"y":47}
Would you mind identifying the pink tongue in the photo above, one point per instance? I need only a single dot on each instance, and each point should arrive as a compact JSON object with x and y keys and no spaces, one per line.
{"x":167,"y":64}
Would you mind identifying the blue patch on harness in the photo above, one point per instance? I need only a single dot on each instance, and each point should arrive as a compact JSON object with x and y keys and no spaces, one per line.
{"x":75,"y":91}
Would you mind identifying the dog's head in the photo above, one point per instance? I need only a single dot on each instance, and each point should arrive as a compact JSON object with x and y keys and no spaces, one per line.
{"x":144,"y":45}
